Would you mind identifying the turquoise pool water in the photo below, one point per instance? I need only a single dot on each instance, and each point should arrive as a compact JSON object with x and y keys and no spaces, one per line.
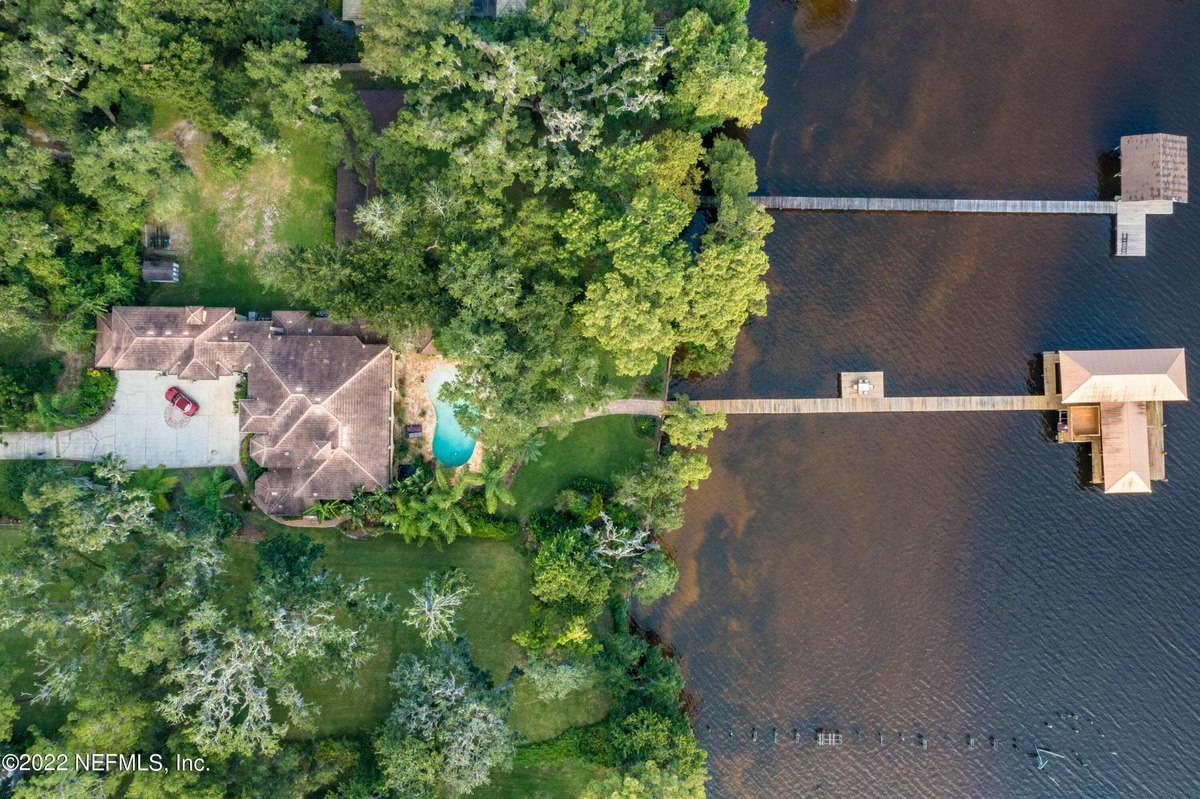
{"x":451,"y":444}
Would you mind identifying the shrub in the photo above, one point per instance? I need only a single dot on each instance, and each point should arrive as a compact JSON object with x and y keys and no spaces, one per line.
{"x":252,"y":467}
{"x":577,"y":743}
{"x":19,"y":385}
{"x":15,"y":476}
{"x":484,"y":525}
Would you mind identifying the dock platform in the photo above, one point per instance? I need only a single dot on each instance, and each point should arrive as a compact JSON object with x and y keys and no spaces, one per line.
{"x":851,"y":401}
{"x":860,"y":385}
{"x":1083,"y":420}
{"x":937,"y":206}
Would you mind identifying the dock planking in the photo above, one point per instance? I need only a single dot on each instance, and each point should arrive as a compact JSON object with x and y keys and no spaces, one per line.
{"x":941,"y":206}
{"x":810,"y":405}
{"x":1158,"y":453}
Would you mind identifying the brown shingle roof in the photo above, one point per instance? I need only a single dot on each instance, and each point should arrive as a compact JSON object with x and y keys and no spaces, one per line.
{"x":1154,"y":166}
{"x":318,"y":398}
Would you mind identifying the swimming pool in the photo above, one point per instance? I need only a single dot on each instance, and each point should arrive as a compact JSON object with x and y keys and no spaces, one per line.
{"x":451,"y":444}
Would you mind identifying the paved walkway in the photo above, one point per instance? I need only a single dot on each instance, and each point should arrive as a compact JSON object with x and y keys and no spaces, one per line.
{"x":144,"y":430}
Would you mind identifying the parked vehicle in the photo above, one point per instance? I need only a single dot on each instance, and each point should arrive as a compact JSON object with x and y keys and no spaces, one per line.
{"x":182,"y":401}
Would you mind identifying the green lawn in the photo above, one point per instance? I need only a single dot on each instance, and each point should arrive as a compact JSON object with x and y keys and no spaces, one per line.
{"x":497,"y":610}
{"x":564,"y":779}
{"x":279,"y":201}
{"x":540,"y":721}
{"x":595,"y":449}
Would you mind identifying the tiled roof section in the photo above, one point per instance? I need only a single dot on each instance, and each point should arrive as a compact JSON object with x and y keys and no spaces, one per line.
{"x":318,"y":401}
{"x":158,"y":339}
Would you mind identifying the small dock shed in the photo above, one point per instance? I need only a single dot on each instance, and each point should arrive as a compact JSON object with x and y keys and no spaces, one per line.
{"x":1154,"y":166}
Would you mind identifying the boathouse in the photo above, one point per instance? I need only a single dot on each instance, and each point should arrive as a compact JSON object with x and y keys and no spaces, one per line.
{"x":1154,"y":176}
{"x":1154,"y":166}
{"x":1113,"y":402}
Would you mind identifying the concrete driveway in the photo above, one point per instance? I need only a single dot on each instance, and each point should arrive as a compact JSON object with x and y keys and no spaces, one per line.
{"x":144,"y":430}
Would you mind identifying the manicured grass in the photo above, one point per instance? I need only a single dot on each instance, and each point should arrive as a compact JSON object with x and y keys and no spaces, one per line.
{"x":595,"y":449}
{"x":497,"y":610}
{"x":279,"y":201}
{"x":564,"y":779}
{"x":540,"y":721}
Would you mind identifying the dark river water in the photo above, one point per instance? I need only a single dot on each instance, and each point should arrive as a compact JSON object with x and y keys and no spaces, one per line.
{"x":949,"y":574}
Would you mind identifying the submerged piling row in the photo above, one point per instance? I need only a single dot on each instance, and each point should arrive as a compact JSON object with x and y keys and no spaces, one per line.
{"x":825,"y":737}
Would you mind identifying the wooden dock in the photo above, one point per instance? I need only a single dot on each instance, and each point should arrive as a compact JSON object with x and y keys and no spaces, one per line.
{"x":1050,"y":373}
{"x":808,"y":405}
{"x":918,"y":205}
{"x":1028,"y":402}
{"x":1158,"y":451}
{"x":1129,"y":235}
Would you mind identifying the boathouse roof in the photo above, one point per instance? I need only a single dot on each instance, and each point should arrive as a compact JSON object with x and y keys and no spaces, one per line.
{"x":1126,"y":450}
{"x":1154,"y":166}
{"x":1106,"y":376}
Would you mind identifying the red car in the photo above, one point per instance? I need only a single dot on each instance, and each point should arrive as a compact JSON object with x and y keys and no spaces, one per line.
{"x":182,"y":401}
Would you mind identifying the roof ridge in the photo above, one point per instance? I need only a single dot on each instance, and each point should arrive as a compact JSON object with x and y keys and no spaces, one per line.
{"x":356,"y":375}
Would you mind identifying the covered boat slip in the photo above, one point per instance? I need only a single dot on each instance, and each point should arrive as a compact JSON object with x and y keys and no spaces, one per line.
{"x":1113,"y":401}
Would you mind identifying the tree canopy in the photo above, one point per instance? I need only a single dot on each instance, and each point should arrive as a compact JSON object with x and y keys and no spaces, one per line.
{"x":535,"y":189}
{"x":135,"y":624}
{"x":80,"y":84}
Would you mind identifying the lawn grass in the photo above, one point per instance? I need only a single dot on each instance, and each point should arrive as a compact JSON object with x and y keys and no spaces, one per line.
{"x":595,"y":449}
{"x":497,"y":610}
{"x":537,"y":720}
{"x":279,"y":201}
{"x":564,"y":779}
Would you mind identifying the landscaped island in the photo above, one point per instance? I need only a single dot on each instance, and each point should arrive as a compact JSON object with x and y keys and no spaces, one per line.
{"x":534,"y":230}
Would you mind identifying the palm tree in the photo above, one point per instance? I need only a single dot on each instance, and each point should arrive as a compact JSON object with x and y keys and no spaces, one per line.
{"x":326,"y":509}
{"x":111,"y":469}
{"x":428,"y":506}
{"x":530,"y":449}
{"x":48,"y":413}
{"x":157,"y":483}
{"x":495,"y":492}
{"x":208,"y":489}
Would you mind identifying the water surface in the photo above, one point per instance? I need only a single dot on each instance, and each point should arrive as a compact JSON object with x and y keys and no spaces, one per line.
{"x":949,"y":574}
{"x":452,"y":445}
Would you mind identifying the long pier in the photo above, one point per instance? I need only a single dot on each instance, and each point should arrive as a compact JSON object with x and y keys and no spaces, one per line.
{"x":1153,"y":178}
{"x":916,"y":205}
{"x":807,"y":405}
{"x":1129,"y":237}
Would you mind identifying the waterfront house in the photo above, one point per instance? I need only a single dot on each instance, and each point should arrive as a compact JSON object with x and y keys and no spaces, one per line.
{"x":318,"y":399}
